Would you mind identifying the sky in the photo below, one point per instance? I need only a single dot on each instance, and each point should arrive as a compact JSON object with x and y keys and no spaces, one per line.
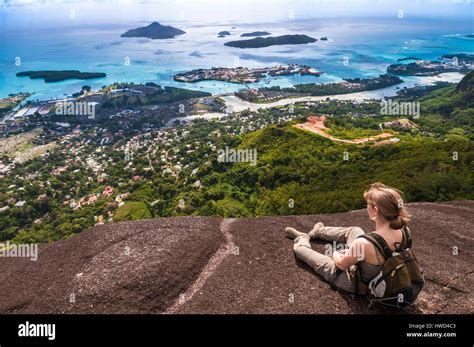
{"x":250,"y":10}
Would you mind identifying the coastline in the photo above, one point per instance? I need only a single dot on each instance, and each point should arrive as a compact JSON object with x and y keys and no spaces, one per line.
{"x":103,"y":53}
{"x":235,"y":104}
{"x":238,"y":105}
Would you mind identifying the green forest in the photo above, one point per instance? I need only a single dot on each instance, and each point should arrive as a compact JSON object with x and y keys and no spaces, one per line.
{"x":311,"y":171}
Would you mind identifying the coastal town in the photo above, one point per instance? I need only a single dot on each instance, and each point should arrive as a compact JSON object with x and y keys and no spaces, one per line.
{"x":106,"y":173}
{"x":462,"y":63}
{"x":125,"y":102}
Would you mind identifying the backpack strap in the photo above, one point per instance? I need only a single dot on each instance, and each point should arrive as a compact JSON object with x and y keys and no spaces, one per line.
{"x":386,"y":248}
{"x":407,"y":242}
{"x":379,"y":243}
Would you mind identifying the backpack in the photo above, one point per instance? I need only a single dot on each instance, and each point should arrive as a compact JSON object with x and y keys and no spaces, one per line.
{"x":400,"y":280}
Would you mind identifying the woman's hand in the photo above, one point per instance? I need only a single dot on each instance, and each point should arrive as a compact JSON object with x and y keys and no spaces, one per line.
{"x":343,"y":259}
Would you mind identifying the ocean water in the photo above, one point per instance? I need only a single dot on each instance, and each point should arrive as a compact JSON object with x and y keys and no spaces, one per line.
{"x":357,"y":47}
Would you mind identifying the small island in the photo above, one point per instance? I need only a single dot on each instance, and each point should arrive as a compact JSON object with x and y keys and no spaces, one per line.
{"x":260,"y":42}
{"x":61,"y":75}
{"x":244,"y":75}
{"x":255,"y":33}
{"x":408,"y":58}
{"x":223,"y":34}
{"x":154,"y":31}
{"x":324,"y":38}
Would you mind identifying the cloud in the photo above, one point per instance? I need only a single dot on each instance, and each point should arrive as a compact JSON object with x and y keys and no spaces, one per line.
{"x":295,"y":2}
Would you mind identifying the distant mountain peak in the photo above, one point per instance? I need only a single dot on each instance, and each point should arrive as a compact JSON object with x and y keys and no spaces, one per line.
{"x":154,"y":31}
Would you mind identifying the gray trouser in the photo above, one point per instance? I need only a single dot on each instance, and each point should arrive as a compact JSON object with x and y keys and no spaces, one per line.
{"x":323,"y":264}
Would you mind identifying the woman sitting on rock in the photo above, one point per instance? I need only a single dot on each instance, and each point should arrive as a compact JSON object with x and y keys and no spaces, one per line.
{"x":385,"y":208}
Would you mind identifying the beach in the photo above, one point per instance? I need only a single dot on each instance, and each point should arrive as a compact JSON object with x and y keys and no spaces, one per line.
{"x":234,"y":104}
